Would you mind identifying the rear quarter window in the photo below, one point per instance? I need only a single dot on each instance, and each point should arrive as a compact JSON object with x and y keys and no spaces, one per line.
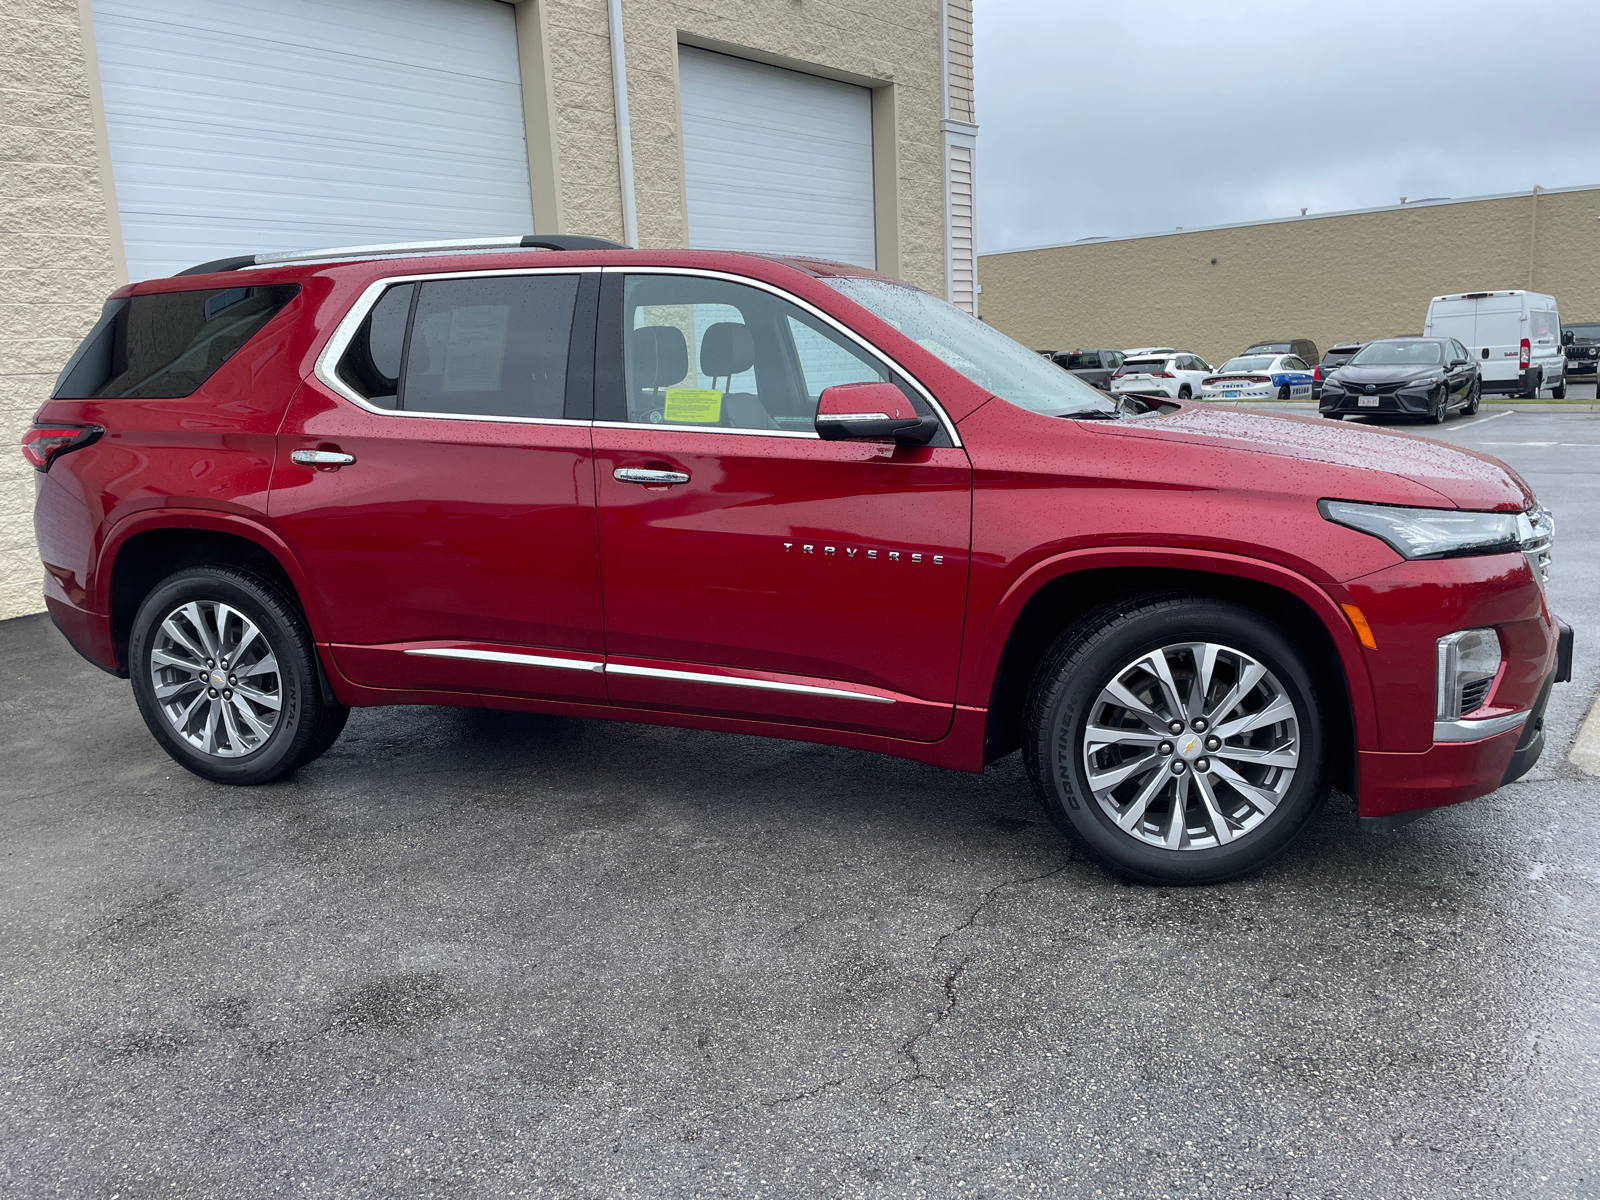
{"x":165,"y":345}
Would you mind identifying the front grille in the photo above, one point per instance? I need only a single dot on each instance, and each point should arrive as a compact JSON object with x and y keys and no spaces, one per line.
{"x":1474,"y":694}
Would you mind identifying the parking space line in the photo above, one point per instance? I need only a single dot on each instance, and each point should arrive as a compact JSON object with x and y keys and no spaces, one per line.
{"x":1585,"y":752}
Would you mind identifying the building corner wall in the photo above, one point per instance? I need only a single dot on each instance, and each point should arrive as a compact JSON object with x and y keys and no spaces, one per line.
{"x":58,"y":247}
{"x":960,"y":157}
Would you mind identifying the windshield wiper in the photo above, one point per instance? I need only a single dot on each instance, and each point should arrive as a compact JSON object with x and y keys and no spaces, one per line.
{"x":1090,"y":414}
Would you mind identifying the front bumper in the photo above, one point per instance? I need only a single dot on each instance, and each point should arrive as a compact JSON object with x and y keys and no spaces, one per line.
{"x":1407,"y":403}
{"x":1396,"y":789}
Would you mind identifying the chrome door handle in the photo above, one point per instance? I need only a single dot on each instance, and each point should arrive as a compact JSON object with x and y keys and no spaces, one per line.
{"x":322,"y":458}
{"x":648,"y":475}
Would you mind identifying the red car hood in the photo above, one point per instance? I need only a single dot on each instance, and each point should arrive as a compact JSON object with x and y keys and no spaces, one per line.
{"x":1463,"y":478}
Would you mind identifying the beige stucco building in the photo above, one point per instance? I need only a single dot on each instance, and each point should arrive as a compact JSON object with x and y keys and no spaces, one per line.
{"x":1331,"y":278}
{"x":138,"y":137}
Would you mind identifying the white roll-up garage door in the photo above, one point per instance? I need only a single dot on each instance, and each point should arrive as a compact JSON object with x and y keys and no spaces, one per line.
{"x":250,"y":125}
{"x":776,"y":161}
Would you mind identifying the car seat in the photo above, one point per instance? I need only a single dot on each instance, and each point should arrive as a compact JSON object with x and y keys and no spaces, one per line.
{"x":726,"y":350}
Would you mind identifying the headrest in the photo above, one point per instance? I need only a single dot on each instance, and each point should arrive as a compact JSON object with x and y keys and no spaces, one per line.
{"x":658,"y":355}
{"x":726,"y":349}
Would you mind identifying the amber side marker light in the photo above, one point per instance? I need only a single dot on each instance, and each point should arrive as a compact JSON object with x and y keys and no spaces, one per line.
{"x":43,"y":444}
{"x":1359,"y":621}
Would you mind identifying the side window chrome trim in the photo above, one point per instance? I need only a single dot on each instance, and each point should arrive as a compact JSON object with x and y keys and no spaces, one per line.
{"x":327,"y":366}
{"x":806,"y":306}
{"x":683,"y":428}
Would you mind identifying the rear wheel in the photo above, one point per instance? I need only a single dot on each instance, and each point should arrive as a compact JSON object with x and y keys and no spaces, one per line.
{"x":1184,"y":393}
{"x":1531,"y":392}
{"x":225,"y":676}
{"x":1559,"y":392}
{"x":1178,"y":740}
{"x":1473,"y":400}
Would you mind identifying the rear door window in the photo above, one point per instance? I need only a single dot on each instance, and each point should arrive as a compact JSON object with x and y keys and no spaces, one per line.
{"x":166,"y":345}
{"x":486,"y":347}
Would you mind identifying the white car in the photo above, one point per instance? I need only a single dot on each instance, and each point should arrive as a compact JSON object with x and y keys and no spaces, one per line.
{"x":1260,"y":377}
{"x":1176,"y":374}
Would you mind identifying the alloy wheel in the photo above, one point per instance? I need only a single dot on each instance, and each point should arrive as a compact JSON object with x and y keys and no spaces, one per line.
{"x":216,"y":678}
{"x":1191,"y":746}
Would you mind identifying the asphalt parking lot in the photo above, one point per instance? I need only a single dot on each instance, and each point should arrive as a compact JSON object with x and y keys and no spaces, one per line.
{"x":479,"y":954}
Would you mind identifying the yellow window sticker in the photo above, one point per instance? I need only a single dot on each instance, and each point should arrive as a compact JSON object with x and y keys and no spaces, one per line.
{"x":693,"y":406}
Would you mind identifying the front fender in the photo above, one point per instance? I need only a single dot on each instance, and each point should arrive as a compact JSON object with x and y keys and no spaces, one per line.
{"x":986,"y":640}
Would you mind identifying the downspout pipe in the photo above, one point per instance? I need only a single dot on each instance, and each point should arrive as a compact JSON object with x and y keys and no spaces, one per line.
{"x":619,"y":89}
{"x":1533,"y":231}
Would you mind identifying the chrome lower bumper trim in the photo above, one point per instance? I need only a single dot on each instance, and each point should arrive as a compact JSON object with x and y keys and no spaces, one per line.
{"x":1476,"y":731}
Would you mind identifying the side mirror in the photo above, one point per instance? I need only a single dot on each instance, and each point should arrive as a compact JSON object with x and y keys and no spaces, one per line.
{"x":872,"y":411}
{"x":1459,"y":362}
{"x":1568,"y":337}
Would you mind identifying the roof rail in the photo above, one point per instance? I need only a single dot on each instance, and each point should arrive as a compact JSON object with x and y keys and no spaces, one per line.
{"x":530,"y":241}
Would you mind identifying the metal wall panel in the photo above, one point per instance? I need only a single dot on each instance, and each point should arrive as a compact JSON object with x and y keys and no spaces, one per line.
{"x":251,"y":125}
{"x":776,"y":161}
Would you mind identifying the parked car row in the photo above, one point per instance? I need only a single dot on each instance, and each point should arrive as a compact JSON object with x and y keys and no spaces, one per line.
{"x":1472,"y":343}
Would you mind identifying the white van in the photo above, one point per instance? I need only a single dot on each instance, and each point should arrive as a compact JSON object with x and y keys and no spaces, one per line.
{"x":1514,"y":337}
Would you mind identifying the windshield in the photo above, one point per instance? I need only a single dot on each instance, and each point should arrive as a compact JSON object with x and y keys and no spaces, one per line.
{"x":1398,"y":354}
{"x":1254,"y":363}
{"x":1583,"y":333}
{"x":980,"y":352}
{"x":1273,"y":347}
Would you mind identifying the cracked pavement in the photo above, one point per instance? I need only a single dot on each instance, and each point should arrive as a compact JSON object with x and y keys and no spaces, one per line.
{"x":478,"y":954}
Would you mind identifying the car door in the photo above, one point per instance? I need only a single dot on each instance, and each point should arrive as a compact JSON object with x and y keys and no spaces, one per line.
{"x":751,"y":569}
{"x":437,"y":495}
{"x":1297,"y":376}
{"x":1459,"y":374}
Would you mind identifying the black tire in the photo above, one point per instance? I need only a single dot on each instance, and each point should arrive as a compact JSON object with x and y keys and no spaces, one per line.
{"x":1535,"y":382}
{"x":1473,"y":400}
{"x":1438,"y":412}
{"x":1559,"y":392}
{"x":1068,"y":685}
{"x":1184,"y":393}
{"x":1283,"y":392}
{"x":305,"y":725}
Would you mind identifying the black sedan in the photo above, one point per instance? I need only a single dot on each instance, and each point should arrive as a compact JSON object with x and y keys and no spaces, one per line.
{"x":1425,"y":378}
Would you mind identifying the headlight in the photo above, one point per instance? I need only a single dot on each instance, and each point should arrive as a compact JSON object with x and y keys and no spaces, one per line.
{"x":1328,"y":381}
{"x":1468,"y":663}
{"x":1430,"y":532}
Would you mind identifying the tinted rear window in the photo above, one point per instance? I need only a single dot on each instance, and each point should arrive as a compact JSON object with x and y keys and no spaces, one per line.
{"x":487,"y":347}
{"x":1088,"y":360}
{"x":167,"y":344}
{"x":1271,"y":348}
{"x":1142,"y":366}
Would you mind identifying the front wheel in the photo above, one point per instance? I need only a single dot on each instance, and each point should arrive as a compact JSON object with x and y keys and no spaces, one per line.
{"x":1178,"y":740}
{"x":1283,"y":392}
{"x":224,"y":673}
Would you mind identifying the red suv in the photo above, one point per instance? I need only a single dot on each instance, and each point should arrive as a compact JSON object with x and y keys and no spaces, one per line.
{"x":784,"y":497}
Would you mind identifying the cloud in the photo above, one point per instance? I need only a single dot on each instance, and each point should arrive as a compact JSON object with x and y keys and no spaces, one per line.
{"x":1137,"y":116}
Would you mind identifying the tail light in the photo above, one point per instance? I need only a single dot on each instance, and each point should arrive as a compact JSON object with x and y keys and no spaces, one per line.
{"x":43,"y":444}
{"x":1162,"y":374}
{"x":1525,"y":355}
{"x":1316,"y":373}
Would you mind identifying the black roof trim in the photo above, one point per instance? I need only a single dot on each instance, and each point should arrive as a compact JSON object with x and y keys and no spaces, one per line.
{"x":220,"y":264}
{"x":569,"y":241}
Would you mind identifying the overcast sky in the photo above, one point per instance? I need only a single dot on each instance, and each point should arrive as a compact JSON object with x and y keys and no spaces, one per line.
{"x":1108,"y":117}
